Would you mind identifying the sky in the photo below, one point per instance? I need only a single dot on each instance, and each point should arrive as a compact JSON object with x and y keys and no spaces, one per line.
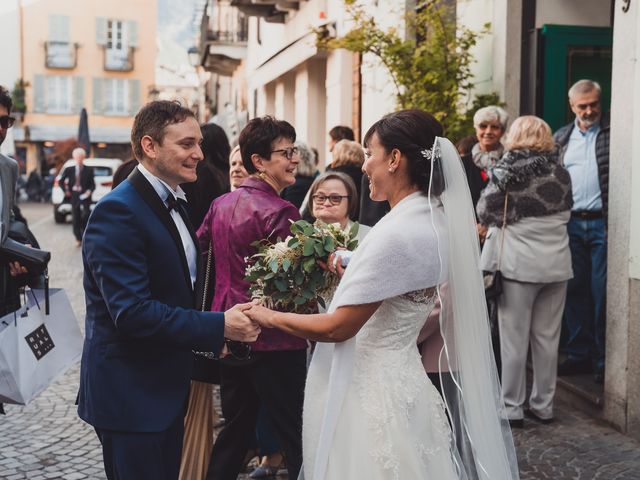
{"x":180,"y":19}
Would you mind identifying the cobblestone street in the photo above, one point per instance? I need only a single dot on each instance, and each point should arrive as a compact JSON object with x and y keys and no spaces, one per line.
{"x":46,"y":440}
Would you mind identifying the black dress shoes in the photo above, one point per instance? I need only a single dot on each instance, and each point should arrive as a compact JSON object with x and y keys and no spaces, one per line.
{"x":528,"y":413}
{"x":574,"y":367}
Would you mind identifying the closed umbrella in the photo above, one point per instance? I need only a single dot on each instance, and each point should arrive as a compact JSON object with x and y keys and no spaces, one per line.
{"x":83,"y":131}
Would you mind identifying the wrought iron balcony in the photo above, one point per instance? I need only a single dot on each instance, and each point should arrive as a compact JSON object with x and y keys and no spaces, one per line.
{"x":223,"y":50}
{"x":61,"y":55}
{"x":273,"y":11}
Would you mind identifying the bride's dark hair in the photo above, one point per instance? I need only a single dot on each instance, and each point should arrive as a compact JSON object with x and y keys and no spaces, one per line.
{"x":411,"y":132}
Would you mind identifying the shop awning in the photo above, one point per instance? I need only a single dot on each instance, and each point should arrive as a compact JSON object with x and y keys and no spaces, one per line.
{"x":52,"y":133}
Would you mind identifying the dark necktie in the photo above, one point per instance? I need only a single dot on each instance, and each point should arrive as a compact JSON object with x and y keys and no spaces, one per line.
{"x":76,"y":185}
{"x":176,"y":204}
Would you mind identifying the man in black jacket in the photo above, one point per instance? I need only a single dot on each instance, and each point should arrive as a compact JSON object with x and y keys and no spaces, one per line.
{"x":584,"y":151}
{"x":12,"y":275}
{"x":78,"y":185}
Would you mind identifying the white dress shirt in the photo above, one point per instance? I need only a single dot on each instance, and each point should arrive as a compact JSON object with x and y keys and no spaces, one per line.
{"x":164,"y":190}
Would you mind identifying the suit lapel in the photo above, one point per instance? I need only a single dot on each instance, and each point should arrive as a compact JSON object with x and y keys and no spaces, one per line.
{"x":199,"y":285}
{"x":149,"y":195}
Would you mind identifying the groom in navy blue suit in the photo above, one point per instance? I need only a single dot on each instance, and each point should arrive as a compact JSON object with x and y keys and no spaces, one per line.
{"x":143,"y":280}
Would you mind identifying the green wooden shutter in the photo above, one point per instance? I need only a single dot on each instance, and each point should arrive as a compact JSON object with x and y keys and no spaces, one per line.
{"x":39,"y":99}
{"x":134,"y":96}
{"x":132,"y":33}
{"x":78,"y":93}
{"x":59,"y":29}
{"x":101,"y":31}
{"x":107,"y":95}
{"x":98,"y":101}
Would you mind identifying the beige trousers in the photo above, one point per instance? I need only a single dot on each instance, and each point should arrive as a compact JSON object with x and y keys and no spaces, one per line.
{"x":530,"y":315}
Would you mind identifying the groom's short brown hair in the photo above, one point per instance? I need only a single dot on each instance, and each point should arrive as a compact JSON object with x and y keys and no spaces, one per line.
{"x":152,"y":119}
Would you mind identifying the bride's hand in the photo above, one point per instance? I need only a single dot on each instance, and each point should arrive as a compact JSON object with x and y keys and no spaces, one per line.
{"x":260,"y":315}
{"x":334,"y":265}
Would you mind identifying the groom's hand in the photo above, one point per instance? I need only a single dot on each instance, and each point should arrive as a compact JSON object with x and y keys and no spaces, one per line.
{"x":239,"y":327}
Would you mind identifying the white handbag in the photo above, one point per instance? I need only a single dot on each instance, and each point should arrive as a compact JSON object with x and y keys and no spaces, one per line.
{"x":35,"y":348}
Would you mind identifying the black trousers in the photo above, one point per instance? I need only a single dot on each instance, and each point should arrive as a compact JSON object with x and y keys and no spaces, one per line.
{"x":79,"y":214}
{"x":143,"y":455}
{"x":276,"y":381}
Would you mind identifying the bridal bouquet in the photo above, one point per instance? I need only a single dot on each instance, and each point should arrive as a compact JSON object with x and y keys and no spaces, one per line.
{"x":286,"y":275}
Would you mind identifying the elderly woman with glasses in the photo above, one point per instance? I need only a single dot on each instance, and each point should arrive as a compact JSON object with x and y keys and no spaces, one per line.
{"x":304,"y":176}
{"x":334,"y":199}
{"x":273,"y":376}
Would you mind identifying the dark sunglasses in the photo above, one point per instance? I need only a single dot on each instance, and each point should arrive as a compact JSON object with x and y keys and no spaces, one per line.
{"x":334,"y":199}
{"x":287,"y":152}
{"x":6,"y":121}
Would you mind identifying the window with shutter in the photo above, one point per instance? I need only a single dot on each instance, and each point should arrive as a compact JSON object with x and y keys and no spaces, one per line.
{"x":60,"y":52}
{"x":117,"y":96}
{"x":39,"y":95}
{"x":101,"y":31}
{"x":120,"y":37}
{"x":78,"y":94}
{"x":59,"y":94}
{"x":98,"y":96}
{"x":134,"y":95}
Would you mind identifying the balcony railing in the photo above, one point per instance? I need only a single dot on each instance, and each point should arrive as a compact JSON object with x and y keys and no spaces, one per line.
{"x":239,"y":36}
{"x":61,"y":55}
{"x":116,"y":60}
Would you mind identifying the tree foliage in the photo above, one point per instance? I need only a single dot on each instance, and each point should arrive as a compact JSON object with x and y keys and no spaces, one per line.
{"x":18,"y":96}
{"x":430,"y":66}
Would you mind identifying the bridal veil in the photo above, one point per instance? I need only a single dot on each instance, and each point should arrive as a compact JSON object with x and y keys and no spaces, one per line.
{"x":481,"y":431}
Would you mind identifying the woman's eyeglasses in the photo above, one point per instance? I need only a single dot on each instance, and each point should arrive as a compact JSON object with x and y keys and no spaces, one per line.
{"x":6,"y":121}
{"x":334,"y":199}
{"x":287,"y":152}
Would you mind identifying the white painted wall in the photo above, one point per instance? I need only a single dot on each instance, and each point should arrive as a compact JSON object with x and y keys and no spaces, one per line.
{"x":473,"y":14}
{"x":622,"y":382}
{"x":294,"y":81}
{"x":378,"y":90}
{"x":594,"y":13}
{"x":9,"y":39}
{"x":285,"y":98}
{"x":311,"y":105}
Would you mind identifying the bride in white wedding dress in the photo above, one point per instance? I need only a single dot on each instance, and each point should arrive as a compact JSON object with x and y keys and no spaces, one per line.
{"x":370,"y":410}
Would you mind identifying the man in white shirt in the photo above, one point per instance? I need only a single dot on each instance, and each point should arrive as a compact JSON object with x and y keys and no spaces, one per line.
{"x":584,"y":151}
{"x":78,"y":184}
{"x":143,"y":280}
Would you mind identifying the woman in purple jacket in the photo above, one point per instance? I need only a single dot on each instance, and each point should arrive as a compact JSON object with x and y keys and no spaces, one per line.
{"x":274,"y":374}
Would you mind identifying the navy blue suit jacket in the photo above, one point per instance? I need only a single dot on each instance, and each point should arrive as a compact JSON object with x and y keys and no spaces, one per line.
{"x":141,"y":325}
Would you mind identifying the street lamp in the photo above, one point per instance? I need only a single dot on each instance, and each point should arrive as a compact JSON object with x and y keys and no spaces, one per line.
{"x":194,"y":59}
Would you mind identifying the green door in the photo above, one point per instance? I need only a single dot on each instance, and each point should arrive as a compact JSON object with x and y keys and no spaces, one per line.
{"x":571,"y":53}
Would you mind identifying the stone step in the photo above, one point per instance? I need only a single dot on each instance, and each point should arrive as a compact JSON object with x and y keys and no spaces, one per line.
{"x":581,"y":392}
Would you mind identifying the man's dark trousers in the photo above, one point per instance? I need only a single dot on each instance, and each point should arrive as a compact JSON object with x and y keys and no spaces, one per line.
{"x":122,"y":451}
{"x":79,"y":214}
{"x":585,"y":309}
{"x":275,"y":380}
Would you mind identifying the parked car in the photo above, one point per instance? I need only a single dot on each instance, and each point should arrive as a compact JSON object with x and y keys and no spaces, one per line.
{"x":103,"y":169}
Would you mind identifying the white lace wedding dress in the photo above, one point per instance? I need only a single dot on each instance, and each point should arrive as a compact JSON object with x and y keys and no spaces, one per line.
{"x":392,"y":424}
